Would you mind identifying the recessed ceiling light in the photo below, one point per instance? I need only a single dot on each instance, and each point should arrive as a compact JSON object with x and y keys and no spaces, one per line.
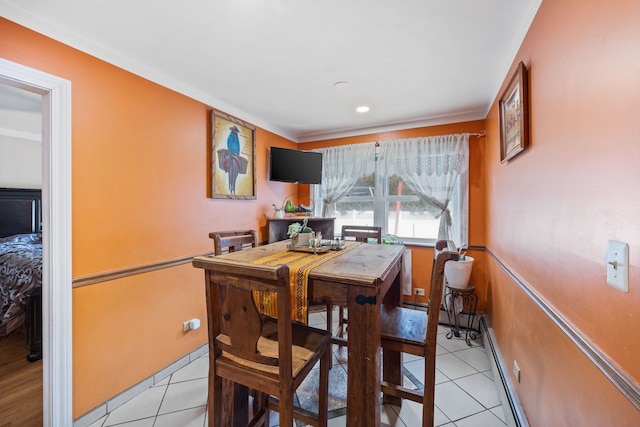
{"x":362,"y":109}
{"x":341,"y":85}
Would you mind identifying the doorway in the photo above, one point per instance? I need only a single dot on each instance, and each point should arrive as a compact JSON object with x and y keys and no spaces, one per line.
{"x":56,"y":236}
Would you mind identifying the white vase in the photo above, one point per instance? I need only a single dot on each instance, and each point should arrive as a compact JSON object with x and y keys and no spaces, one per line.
{"x":457,"y":273}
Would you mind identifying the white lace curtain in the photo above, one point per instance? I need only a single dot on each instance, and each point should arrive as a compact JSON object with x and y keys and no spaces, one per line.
{"x":341,"y":168}
{"x":433,"y":167}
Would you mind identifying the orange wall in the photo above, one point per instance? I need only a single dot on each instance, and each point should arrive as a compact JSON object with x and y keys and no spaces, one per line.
{"x":139,"y":197}
{"x":551,"y":211}
{"x":139,"y":182}
{"x":421,"y":256}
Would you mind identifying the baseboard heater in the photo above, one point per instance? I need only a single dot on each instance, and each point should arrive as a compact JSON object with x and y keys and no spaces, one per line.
{"x":513,"y":411}
{"x":515,"y":416}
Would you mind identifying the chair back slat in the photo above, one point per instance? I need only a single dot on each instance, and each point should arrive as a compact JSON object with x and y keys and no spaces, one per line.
{"x":240,"y":324}
{"x":233,"y":240}
{"x":362,"y":233}
{"x":241,"y":320}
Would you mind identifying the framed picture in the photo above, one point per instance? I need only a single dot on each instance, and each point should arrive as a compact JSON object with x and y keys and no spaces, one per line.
{"x":233,"y":147}
{"x":514,"y":115}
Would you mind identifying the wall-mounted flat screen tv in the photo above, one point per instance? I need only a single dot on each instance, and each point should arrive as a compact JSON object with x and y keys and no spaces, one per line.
{"x":302,"y":167}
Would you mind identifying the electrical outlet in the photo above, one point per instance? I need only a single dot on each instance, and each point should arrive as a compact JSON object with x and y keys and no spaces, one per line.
{"x":516,"y":371}
{"x":190,"y":324}
{"x":419,"y":291}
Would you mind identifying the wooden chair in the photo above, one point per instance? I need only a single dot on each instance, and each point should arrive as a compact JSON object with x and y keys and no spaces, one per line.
{"x":415,"y":332}
{"x":359,"y":233}
{"x":249,"y":350}
{"x":231,"y":241}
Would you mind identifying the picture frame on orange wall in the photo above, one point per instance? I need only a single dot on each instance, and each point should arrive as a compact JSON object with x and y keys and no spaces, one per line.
{"x":233,"y":147}
{"x":514,"y":115}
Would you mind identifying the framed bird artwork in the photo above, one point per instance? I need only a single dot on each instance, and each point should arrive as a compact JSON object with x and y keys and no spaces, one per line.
{"x":233,"y":174}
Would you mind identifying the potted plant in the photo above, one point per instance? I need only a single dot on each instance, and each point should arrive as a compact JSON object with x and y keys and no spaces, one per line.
{"x":458,"y":273}
{"x":300,"y":233}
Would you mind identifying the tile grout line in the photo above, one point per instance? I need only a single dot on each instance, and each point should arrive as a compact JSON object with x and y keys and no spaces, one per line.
{"x":86,"y":419}
{"x":164,"y":395}
{"x":337,"y":412}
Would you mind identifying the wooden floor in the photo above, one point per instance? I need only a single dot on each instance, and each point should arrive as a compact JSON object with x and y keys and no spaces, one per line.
{"x":20,"y":384}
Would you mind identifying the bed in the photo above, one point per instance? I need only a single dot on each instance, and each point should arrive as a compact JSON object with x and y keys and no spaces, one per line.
{"x":21,"y":266}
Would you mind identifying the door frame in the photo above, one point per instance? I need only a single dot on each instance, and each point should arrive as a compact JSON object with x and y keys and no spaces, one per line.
{"x":56,"y":236}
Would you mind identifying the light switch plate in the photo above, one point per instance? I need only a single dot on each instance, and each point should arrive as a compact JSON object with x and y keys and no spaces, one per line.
{"x":617,"y":259}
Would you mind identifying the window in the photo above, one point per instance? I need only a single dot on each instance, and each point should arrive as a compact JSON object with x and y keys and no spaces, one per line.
{"x":384,"y":197}
{"x":356,"y":208}
{"x":407,"y":217}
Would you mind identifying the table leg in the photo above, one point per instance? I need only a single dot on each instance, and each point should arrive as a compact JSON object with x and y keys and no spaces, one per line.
{"x":392,"y":360}
{"x":363,"y":380}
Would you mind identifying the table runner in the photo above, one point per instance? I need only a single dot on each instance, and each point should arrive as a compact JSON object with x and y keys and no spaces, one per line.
{"x":300,"y":264}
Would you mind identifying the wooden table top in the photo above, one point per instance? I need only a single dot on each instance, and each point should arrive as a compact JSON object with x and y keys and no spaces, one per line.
{"x":363,"y":265}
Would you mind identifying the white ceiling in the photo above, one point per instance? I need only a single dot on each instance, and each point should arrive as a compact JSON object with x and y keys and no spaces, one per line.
{"x":274,"y":63}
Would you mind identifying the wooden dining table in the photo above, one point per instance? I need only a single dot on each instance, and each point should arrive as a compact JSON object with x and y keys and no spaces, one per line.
{"x":362,"y":278}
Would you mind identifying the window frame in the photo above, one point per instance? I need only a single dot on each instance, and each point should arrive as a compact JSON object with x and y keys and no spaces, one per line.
{"x":380,"y":199}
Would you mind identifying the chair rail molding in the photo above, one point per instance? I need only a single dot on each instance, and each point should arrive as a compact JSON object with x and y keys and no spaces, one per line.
{"x":618,"y":376}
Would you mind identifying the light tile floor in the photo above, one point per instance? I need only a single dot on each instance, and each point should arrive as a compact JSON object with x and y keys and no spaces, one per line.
{"x":466,"y":395}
